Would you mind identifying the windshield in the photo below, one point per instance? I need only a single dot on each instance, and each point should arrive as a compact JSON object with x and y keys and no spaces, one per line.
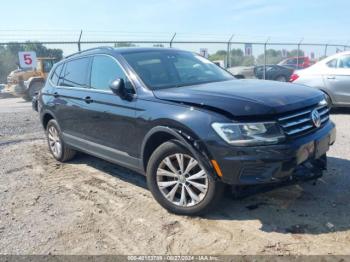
{"x":164,"y":69}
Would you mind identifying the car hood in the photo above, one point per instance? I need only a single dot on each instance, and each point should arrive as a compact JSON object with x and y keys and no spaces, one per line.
{"x":244,"y":97}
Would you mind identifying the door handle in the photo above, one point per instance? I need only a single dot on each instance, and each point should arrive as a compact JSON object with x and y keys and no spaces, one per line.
{"x":56,"y":95}
{"x":331,"y":77}
{"x":88,"y":100}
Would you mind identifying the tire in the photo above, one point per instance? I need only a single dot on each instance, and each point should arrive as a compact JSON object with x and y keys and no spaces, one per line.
{"x":33,"y":88}
{"x":59,"y":150}
{"x":281,"y":79}
{"x":182,"y":182}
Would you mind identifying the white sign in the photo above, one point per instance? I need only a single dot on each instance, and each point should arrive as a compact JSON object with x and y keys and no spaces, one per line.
{"x":27,"y":59}
{"x":204,"y":52}
{"x":284,"y":53}
{"x":248,"y":49}
{"x":312,"y":55}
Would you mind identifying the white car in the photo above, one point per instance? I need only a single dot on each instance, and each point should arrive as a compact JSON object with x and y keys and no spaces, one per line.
{"x":331,"y":75}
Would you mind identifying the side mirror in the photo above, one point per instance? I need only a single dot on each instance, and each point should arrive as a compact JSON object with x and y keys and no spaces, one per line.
{"x":117,"y":86}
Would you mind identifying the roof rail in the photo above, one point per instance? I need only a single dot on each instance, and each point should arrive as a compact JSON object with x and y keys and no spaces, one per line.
{"x":90,"y":49}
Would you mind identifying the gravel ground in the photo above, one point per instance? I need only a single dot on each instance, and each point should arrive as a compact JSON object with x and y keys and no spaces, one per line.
{"x":89,"y":206}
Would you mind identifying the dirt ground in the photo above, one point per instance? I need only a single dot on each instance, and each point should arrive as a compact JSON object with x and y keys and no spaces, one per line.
{"x":89,"y":206}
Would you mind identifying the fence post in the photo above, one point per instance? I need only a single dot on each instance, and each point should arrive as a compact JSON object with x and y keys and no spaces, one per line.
{"x":325,"y":50}
{"x":298,"y":52}
{"x":171,"y":41}
{"x":265,"y":57}
{"x":79,"y":47}
{"x":228,"y":55}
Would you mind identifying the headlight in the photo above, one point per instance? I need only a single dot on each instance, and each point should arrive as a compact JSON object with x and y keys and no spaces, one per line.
{"x":249,"y":134}
{"x":323,"y":102}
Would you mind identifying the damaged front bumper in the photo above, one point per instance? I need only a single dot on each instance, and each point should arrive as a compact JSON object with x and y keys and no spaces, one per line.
{"x":298,"y":158}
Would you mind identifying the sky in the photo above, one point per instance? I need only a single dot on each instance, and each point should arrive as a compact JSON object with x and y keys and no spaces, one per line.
{"x":248,"y":20}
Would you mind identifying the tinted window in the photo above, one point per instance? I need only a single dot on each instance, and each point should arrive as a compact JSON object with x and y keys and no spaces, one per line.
{"x":332,"y":63}
{"x":104,"y":71}
{"x":75,"y":73}
{"x":164,"y":69}
{"x":56,"y":74}
{"x":344,"y":62}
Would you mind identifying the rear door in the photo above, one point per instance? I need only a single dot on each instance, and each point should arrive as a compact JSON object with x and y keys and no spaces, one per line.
{"x":337,"y":79}
{"x":70,"y":97}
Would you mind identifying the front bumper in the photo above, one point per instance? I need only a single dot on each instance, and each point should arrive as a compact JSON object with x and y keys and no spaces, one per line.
{"x":268,"y":164}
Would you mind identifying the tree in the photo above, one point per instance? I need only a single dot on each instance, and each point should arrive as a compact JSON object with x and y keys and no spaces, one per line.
{"x":275,"y":56}
{"x":124,"y":44}
{"x":219,"y":55}
{"x":237,"y":57}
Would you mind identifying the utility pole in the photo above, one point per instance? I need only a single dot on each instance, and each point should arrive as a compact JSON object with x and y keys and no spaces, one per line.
{"x":298,"y":51}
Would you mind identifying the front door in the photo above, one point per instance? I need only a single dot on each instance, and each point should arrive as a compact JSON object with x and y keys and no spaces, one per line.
{"x":110,"y":118}
{"x":337,"y":80}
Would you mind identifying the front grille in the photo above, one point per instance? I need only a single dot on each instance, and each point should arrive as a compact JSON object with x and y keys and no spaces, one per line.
{"x":300,"y":122}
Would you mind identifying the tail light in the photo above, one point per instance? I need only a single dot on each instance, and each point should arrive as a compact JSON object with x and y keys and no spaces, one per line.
{"x":293,"y":77}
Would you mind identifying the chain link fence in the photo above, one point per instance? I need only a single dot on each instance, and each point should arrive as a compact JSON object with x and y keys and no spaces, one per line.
{"x":242,"y":58}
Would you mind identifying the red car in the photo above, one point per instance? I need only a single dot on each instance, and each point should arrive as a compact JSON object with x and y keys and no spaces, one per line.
{"x":296,"y":62}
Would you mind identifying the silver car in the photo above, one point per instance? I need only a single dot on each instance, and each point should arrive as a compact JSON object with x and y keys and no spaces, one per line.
{"x":331,"y":75}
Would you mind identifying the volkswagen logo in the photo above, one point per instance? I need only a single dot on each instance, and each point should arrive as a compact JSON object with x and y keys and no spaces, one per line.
{"x":316,"y":118}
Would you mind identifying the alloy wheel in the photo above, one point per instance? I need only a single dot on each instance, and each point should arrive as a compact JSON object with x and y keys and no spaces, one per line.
{"x":54,"y":142}
{"x":181,"y":180}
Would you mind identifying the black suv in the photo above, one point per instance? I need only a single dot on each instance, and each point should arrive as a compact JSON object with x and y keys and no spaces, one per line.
{"x":184,"y":122}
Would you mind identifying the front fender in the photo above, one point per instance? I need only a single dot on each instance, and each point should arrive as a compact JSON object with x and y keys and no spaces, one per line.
{"x":194,"y":145}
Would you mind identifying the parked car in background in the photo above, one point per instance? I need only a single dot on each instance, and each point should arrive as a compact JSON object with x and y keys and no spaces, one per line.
{"x":220,"y":63}
{"x":296,"y":62}
{"x":242,"y":72}
{"x":331,"y":75}
{"x":274,"y":72}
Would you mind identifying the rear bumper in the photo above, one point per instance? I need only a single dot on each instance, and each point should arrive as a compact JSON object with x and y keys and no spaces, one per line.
{"x":268,"y":164}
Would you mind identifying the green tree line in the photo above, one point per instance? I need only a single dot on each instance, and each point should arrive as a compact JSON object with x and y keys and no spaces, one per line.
{"x":237,"y":57}
{"x":9,"y":55}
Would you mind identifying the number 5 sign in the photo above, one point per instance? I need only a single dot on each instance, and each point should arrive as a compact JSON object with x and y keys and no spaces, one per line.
{"x":27,"y":59}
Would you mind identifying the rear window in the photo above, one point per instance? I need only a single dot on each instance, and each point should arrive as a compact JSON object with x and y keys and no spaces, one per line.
{"x":75,"y":73}
{"x":56,"y":74}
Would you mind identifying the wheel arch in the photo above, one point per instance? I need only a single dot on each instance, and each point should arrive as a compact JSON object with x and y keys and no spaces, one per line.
{"x":160,"y":134}
{"x":46,"y":117}
{"x":328,"y":94}
{"x":281,"y":75}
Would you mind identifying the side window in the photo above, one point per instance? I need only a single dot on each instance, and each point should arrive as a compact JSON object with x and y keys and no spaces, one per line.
{"x":104,"y":71}
{"x":75,"y":73}
{"x":332,"y":63}
{"x":56,"y":74}
{"x":344,"y":62}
